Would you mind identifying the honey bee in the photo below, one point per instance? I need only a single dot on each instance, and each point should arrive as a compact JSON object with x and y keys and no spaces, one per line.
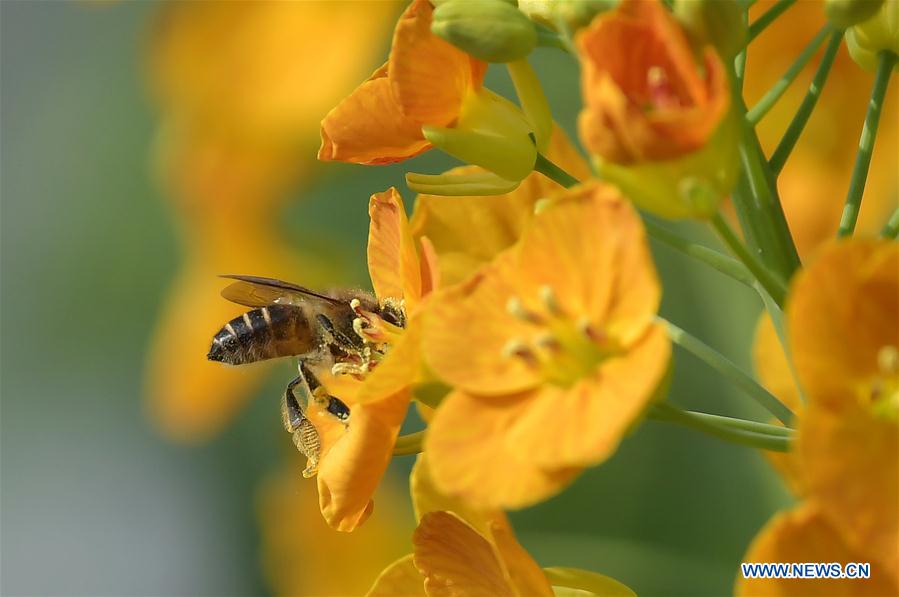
{"x":321,"y":329}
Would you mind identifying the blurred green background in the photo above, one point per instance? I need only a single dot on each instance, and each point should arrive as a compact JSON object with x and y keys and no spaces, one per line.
{"x":94,"y":502}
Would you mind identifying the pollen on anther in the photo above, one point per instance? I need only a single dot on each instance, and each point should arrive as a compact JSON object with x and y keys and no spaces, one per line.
{"x":548,"y":342}
{"x":518,"y":349}
{"x":586,"y":328}
{"x":516,"y":309}
{"x":549,"y":300}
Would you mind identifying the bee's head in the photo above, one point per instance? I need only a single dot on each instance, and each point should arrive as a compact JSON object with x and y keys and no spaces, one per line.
{"x":393,"y":312}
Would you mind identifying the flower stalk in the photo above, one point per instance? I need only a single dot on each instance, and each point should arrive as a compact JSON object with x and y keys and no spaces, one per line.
{"x":737,"y":431}
{"x":886,"y":60}
{"x":797,"y":125}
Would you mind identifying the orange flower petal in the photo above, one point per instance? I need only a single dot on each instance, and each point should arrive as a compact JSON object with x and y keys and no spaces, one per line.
{"x":593,"y":229}
{"x":478,"y":307}
{"x":350,"y":472}
{"x":850,"y":462}
{"x":400,"y":578}
{"x":456,"y":560}
{"x":428,"y":76}
{"x":368,"y":127}
{"x":583,"y":425}
{"x":522,"y":571}
{"x":836,"y":342}
{"x":392,"y":259}
{"x":803,"y":535}
{"x":464,"y":429}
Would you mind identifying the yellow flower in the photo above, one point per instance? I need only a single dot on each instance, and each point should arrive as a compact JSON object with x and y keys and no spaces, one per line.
{"x":301,"y":555}
{"x":843,"y":322}
{"x":553,"y":351}
{"x":656,"y":121}
{"x":649,"y":105}
{"x":241,"y":87}
{"x":429,"y":93}
{"x":805,"y":535}
{"x":353,"y":457}
{"x":463,"y":551}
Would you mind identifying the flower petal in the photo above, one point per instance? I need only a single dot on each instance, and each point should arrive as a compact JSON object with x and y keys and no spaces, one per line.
{"x":520,"y":568}
{"x":400,"y":578}
{"x":850,"y":463}
{"x":593,"y":229}
{"x":392,"y":259}
{"x":583,"y":425}
{"x":367,"y":127}
{"x":803,"y":535}
{"x":835,"y":343}
{"x":456,"y":560}
{"x":428,"y":77}
{"x":464,"y":429}
{"x":350,"y":472}
{"x":478,"y":307}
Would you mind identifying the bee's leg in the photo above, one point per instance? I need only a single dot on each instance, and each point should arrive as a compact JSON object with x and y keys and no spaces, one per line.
{"x":337,"y":338}
{"x":305,"y":436}
{"x":334,"y":405}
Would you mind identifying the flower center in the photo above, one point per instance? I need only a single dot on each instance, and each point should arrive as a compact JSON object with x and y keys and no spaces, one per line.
{"x":565,"y":349}
{"x":884,"y":388}
{"x":378,"y":333}
{"x":662,"y":94}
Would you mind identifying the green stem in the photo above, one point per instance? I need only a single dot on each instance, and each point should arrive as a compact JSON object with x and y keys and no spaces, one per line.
{"x":738,"y":431}
{"x":590,"y":583}
{"x":730,"y":371}
{"x":758,"y":205}
{"x":761,"y":23}
{"x":891,"y":229}
{"x":407,"y":445}
{"x":797,"y":125}
{"x":767,"y":102}
{"x":885,"y":63}
{"x":773,"y":285}
{"x":728,"y":266}
{"x":553,"y":172}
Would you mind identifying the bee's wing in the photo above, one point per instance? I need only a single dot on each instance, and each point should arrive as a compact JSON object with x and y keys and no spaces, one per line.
{"x":254,"y":291}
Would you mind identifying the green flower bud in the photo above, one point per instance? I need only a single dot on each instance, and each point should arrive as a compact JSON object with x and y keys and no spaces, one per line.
{"x":490,"y":30}
{"x":846,"y":13}
{"x":574,"y":13}
{"x":877,"y":34}
{"x":716,"y":22}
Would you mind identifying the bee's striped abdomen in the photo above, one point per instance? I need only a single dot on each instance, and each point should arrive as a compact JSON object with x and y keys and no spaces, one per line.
{"x":263,"y":333}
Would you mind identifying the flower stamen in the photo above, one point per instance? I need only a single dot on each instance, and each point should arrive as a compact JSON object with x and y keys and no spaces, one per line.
{"x":515,"y":307}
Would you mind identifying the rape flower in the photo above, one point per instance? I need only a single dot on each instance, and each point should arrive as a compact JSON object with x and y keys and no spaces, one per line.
{"x":302,"y":555}
{"x":656,"y":124}
{"x":652,"y":104}
{"x":352,"y":463}
{"x":552,"y":349}
{"x":241,"y":88}
{"x":429,"y":93}
{"x":843,"y":321}
{"x":463,"y":551}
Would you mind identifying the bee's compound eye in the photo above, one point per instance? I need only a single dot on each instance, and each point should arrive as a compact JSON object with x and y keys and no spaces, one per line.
{"x":337,"y":408}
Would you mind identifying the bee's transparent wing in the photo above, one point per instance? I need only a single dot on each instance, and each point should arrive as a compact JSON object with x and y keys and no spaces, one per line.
{"x":255,"y":291}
